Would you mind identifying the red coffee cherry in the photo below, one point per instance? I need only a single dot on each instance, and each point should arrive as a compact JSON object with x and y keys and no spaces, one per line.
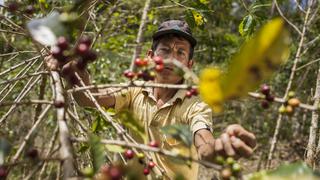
{"x":129,"y":74}
{"x":146,"y":171}
{"x":62,"y":43}
{"x":159,"y":67}
{"x":151,"y":164}
{"x":85,"y":40}
{"x":129,"y":154}
{"x":153,"y":144}
{"x":158,"y":60}
{"x":265,"y":89}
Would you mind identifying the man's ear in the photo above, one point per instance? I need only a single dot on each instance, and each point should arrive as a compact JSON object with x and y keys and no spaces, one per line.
{"x":150,"y":53}
{"x":190,"y":63}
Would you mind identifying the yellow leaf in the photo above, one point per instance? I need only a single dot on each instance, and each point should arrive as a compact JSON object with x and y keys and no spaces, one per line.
{"x":210,"y":88}
{"x":257,"y":60}
{"x":198,"y":18}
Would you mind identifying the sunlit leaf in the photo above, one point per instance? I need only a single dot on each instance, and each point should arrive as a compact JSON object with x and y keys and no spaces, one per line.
{"x":47,"y":29}
{"x":179,"y":132}
{"x":246,"y":26}
{"x":115,"y":148}
{"x":258,"y":58}
{"x":198,"y":18}
{"x":210,"y":88}
{"x":5,"y":148}
{"x":97,"y":152}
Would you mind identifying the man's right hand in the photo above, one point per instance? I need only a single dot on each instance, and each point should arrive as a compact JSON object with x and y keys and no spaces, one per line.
{"x":67,"y":70}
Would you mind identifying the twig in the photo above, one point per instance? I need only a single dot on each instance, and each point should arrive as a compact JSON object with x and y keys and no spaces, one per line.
{"x":18,"y":65}
{"x":26,"y":138}
{"x":153,"y":149}
{"x":285,"y":18}
{"x":12,"y":32}
{"x":293,"y":70}
{"x":23,"y":93}
{"x":29,"y":102}
{"x":282,"y":100}
{"x":139,"y":39}
{"x":66,"y":147}
{"x":25,"y":76}
{"x":22,"y":72}
{"x":298,"y":5}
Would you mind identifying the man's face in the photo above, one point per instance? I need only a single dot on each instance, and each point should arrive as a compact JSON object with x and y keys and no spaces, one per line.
{"x":172,"y":48}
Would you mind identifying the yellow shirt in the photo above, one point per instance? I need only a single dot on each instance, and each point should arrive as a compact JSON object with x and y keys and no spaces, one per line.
{"x":178,"y":110}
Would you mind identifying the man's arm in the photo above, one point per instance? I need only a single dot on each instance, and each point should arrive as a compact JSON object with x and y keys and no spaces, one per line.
{"x":68,"y":72}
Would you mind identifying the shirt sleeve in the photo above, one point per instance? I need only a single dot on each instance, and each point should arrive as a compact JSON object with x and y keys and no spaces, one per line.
{"x":200,"y":117}
{"x":124,"y":98}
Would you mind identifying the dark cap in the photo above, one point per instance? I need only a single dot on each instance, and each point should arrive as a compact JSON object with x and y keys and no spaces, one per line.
{"x":176,"y":27}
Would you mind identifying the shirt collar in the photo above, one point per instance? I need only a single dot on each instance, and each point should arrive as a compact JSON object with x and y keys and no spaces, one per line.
{"x":179,"y":96}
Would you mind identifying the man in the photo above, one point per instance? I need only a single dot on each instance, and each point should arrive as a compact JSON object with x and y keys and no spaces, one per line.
{"x":158,"y":107}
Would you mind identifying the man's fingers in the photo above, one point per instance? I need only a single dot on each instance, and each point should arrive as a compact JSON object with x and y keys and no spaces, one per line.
{"x":227,"y":145}
{"x":218,"y":147}
{"x":244,"y":135}
{"x":241,"y":148}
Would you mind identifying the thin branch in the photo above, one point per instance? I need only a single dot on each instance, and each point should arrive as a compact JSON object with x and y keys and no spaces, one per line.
{"x":18,"y":65}
{"x":139,"y":39}
{"x":293,"y":70}
{"x":25,"y":76}
{"x":153,"y":149}
{"x":66,"y":146}
{"x":286,"y":19}
{"x":26,"y":138}
{"x":29,"y":102}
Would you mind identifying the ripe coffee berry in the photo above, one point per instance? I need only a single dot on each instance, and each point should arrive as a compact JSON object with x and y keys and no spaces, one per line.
{"x":57,"y":53}
{"x":270,"y":98}
{"x":90,"y":56}
{"x":194,"y":91}
{"x":82,"y":49}
{"x":115,"y":173}
{"x":265,"y":89}
{"x":129,"y":154}
{"x":159,"y":67}
{"x":265,"y":104}
{"x":153,"y":144}
{"x":151,"y":164}
{"x":32,"y":153}
{"x":58,"y":104}
{"x":29,"y":9}
{"x":146,"y":171}
{"x":62,"y":43}
{"x":3,"y":172}
{"x":129,"y":74}
{"x":139,"y":62}
{"x":85,"y":40}
{"x":189,"y":94}
{"x":158,"y":60}
{"x":13,"y":6}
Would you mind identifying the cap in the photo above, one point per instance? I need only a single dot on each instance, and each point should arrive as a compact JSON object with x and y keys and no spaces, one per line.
{"x":176,"y":27}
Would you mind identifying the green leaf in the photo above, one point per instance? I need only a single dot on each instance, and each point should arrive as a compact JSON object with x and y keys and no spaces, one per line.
{"x":190,"y":19}
{"x":295,"y":171}
{"x":127,"y":119}
{"x":179,"y":132}
{"x":115,"y":148}
{"x":5,"y":148}
{"x":246,"y":26}
{"x":96,"y":151}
